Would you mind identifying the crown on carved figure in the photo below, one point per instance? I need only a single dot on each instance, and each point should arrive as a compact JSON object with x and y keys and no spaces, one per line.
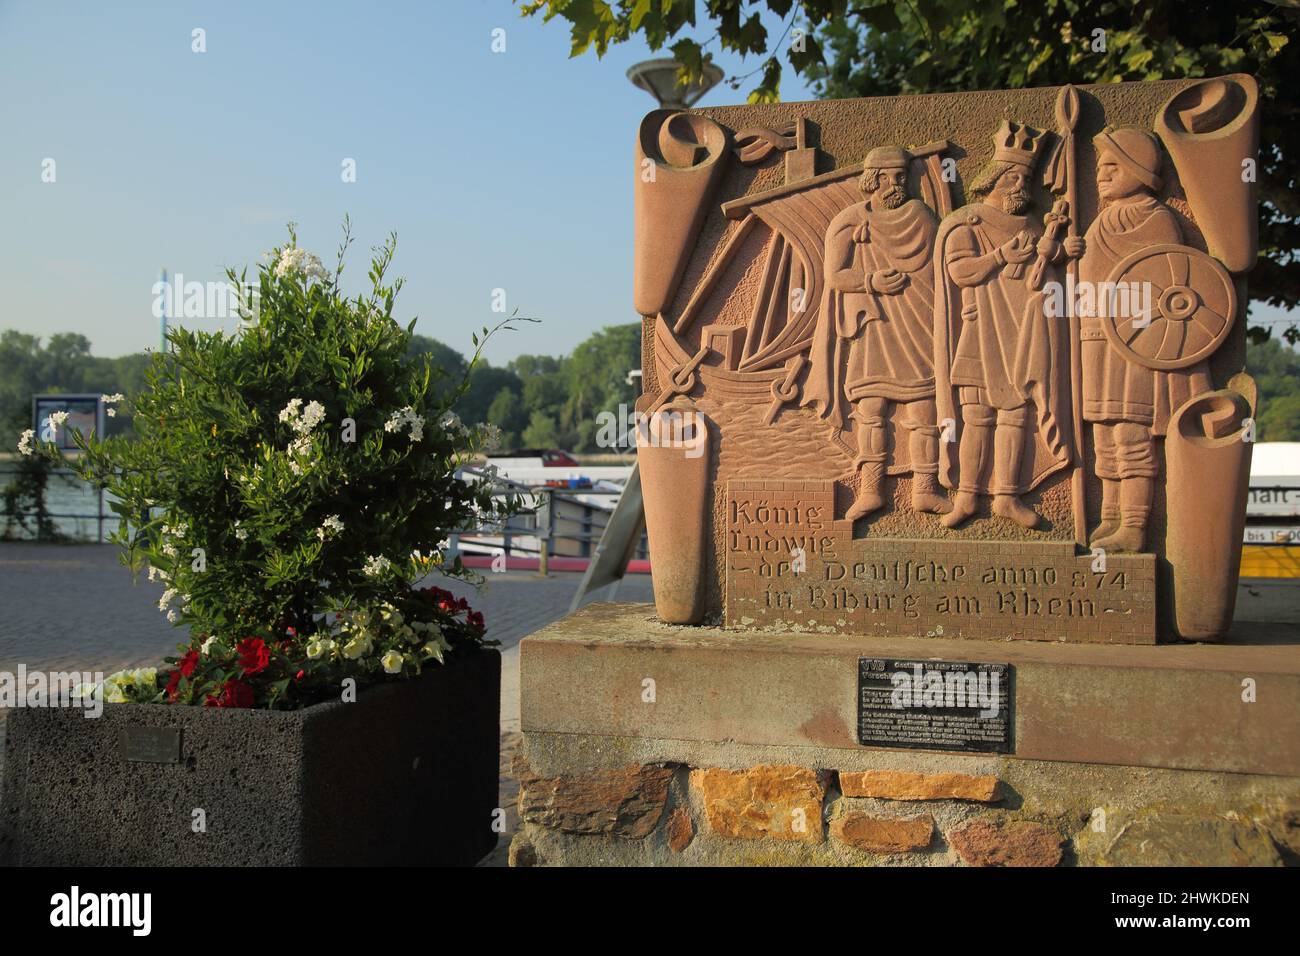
{"x":1017,"y":143}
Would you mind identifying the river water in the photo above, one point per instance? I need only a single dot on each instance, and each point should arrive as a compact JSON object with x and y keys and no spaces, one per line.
{"x":75,"y":505}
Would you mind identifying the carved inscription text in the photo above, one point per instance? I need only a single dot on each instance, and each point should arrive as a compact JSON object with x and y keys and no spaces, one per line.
{"x":789,"y":564}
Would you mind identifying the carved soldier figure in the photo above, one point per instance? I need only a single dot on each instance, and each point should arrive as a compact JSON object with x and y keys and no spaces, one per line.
{"x":872,"y":347}
{"x":998,"y":354}
{"x":1127,"y":403}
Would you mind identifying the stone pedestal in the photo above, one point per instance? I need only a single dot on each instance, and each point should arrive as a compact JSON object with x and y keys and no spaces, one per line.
{"x":645,"y":743}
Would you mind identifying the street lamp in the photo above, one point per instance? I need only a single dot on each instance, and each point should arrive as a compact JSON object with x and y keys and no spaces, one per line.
{"x":659,"y":79}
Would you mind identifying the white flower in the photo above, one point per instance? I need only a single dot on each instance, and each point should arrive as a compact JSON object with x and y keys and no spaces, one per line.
{"x":206,"y":647}
{"x":166,"y":599}
{"x":315,"y":269}
{"x":112,"y":413}
{"x":315,"y":649}
{"x":241,"y":533}
{"x":312,"y":416}
{"x":376,"y":565}
{"x":406,"y":417}
{"x":392,"y":662}
{"x":299,"y":448}
{"x":450,"y":421}
{"x":173,"y":617}
{"x":329,"y":527}
{"x":57,"y":418}
{"x":293,"y":259}
{"x":25,"y":441}
{"x":358,"y":647}
{"x":112,"y":399}
{"x":290,"y":411}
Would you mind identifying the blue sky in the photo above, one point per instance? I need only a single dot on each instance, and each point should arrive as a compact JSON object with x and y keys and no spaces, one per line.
{"x":497,"y":170}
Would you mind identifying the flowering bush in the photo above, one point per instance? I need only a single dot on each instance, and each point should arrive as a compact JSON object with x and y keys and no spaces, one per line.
{"x":287,"y":484}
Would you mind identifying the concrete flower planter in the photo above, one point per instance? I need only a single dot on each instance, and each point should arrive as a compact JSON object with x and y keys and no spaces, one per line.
{"x":407,"y":775}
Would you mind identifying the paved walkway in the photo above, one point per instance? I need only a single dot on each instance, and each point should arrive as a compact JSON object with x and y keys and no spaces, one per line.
{"x":66,"y":607}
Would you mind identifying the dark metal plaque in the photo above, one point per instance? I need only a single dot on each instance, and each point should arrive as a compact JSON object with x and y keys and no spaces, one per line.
{"x":151,"y":744}
{"x":935,"y":705}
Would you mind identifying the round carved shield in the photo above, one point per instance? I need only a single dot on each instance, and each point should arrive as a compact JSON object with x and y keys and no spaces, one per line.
{"x":1167,"y":306}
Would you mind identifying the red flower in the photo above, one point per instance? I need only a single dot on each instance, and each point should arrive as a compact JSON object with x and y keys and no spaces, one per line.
{"x":253,"y":655}
{"x":234,"y":694}
{"x":188,"y":664}
{"x":173,"y":685}
{"x":298,"y":676}
{"x":437,"y":596}
{"x":475,"y":620}
{"x":238,"y":694}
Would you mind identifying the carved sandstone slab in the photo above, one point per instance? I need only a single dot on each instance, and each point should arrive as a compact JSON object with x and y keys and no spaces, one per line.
{"x":790,"y":565}
{"x":995,"y":337}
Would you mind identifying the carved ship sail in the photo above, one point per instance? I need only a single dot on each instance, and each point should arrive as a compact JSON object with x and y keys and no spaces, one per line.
{"x":778,"y":333}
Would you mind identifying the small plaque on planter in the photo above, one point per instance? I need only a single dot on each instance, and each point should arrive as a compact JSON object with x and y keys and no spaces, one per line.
{"x":934,"y":705}
{"x":151,"y":744}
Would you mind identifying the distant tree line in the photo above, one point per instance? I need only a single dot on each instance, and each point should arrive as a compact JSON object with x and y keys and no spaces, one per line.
{"x":1276,"y":370}
{"x":538,"y":401}
{"x":545,"y":401}
{"x":62,"y":363}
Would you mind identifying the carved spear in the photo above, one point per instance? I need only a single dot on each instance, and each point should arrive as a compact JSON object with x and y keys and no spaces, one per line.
{"x":1062,"y":181}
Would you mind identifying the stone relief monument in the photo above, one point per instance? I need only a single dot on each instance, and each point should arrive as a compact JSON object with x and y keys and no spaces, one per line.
{"x":950,"y":371}
{"x":944,"y":405}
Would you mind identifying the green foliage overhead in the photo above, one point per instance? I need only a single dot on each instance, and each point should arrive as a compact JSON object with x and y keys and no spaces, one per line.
{"x":889,"y":47}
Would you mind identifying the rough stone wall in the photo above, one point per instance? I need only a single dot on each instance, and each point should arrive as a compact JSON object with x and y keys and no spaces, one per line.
{"x":581,"y":805}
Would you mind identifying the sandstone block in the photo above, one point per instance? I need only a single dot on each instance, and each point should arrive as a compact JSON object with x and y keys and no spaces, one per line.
{"x":1177,"y":839}
{"x":781,"y":802}
{"x":901,"y":785}
{"x":883,"y":834}
{"x":625,"y":803}
{"x":680,"y":829}
{"x":983,"y":842}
